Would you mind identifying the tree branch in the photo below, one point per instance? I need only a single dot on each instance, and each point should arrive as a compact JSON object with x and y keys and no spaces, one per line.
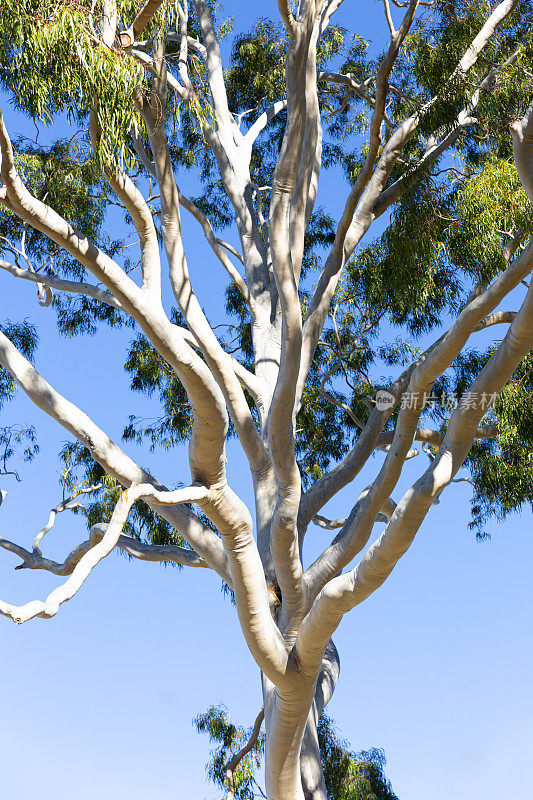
{"x":143,"y":18}
{"x":290,"y":176}
{"x":367,"y":188}
{"x":346,"y":591}
{"x":206,"y":454}
{"x":215,"y":244}
{"x":215,"y":70}
{"x":354,"y":535}
{"x":137,"y":207}
{"x":28,"y":208}
{"x":263,"y":120}
{"x":522,"y":133}
{"x":286,"y":15}
{"x":436,"y":148}
{"x":132,"y":547}
{"x":83,"y":559}
{"x":437,"y":437}
{"x":55,"y":282}
{"x":218,"y":361}
{"x":62,"y":506}
{"x":234,"y":762}
{"x":115,"y":462}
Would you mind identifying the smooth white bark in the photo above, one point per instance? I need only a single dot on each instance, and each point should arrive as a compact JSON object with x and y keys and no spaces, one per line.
{"x":287,"y":615}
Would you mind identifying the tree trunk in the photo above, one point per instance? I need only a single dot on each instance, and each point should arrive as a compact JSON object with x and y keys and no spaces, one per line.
{"x":312,"y":776}
{"x":293,"y":764}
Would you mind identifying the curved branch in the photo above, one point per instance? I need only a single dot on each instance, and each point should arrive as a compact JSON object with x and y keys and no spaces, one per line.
{"x":55,"y":282}
{"x":62,"y":506}
{"x":143,"y":18}
{"x":263,"y":120}
{"x":234,"y":762}
{"x":498,"y":318}
{"x":161,"y":552}
{"x":115,"y":462}
{"x":354,"y":535}
{"x":135,"y":549}
{"x":137,"y":207}
{"x":86,"y":560}
{"x":286,"y":15}
{"x":344,"y":592}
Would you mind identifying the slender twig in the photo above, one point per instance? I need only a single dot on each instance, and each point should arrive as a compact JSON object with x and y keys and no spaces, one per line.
{"x":237,"y":758}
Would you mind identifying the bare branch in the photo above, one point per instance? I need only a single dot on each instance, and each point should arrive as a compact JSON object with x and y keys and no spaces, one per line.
{"x":132,"y":547}
{"x":44,"y":292}
{"x":142,"y":218}
{"x":332,"y":524}
{"x":328,"y":524}
{"x":61,"y":285}
{"x":145,"y":15}
{"x":263,"y":120}
{"x":85,"y":559}
{"x":286,"y":15}
{"x":498,"y":318}
{"x":437,"y":437}
{"x":63,"y":506}
{"x":388,"y":17}
{"x":346,"y":591}
{"x":231,"y":249}
{"x":207,"y":452}
{"x":234,"y":762}
{"x":115,"y":462}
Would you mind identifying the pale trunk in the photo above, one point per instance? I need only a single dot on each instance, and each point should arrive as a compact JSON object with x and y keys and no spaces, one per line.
{"x":293,"y":764}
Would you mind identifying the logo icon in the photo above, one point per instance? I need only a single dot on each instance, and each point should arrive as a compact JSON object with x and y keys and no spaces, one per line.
{"x":384,"y":400}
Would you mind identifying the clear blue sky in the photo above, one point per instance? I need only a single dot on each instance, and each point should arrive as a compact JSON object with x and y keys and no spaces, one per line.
{"x":98,"y":702}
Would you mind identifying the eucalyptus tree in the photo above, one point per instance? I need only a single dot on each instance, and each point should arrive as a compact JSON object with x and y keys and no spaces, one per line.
{"x":337,"y":349}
